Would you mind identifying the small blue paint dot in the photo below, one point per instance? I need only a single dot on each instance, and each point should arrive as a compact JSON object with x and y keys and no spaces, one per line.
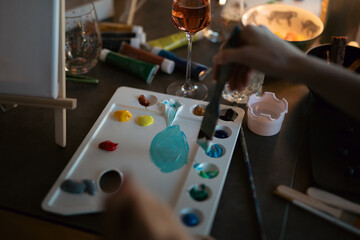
{"x":190,"y":219}
{"x":221,"y":134}
{"x":215,"y":151}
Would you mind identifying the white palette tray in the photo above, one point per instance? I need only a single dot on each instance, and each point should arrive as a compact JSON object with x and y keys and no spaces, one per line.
{"x":132,"y":156}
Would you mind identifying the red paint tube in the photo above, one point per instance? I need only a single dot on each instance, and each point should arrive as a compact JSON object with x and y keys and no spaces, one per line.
{"x":166,"y":65}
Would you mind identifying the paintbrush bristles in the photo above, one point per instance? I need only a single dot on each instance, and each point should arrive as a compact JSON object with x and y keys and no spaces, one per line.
{"x":207,"y":128}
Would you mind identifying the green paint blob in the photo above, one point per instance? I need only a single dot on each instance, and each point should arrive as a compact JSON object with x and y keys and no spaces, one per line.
{"x":199,"y":193}
{"x":208,"y":174}
{"x":169,"y":149}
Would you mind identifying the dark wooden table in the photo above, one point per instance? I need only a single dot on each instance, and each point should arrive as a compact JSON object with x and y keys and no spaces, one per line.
{"x":31,"y":161}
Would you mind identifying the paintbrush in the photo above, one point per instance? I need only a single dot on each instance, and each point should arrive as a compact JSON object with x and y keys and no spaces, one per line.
{"x":355,"y":65}
{"x":337,"y":216}
{"x":252,"y":185}
{"x":333,"y":200}
{"x":211,"y":115}
{"x":81,"y":78}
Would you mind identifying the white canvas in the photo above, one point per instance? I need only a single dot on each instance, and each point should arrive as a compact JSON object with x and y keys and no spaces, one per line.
{"x":29,"y":43}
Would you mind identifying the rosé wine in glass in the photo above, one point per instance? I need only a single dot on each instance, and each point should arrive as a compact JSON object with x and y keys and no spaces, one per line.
{"x":190,"y":16}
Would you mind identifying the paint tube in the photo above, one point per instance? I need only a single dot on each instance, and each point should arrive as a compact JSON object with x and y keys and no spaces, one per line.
{"x":173,"y":41}
{"x":166,"y":65}
{"x":114,"y":44}
{"x":144,"y":70}
{"x":124,"y":35}
{"x":113,"y":40}
{"x":119,"y":27}
{"x":198,"y":71}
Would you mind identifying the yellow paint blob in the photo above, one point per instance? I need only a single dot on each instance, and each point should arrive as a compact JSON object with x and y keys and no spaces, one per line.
{"x":122,"y":115}
{"x":145,"y":120}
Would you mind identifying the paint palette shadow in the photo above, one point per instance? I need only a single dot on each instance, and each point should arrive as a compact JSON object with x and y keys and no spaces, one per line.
{"x":193,"y":191}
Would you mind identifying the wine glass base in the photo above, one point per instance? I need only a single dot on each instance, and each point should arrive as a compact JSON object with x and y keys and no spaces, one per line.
{"x":199,"y":90}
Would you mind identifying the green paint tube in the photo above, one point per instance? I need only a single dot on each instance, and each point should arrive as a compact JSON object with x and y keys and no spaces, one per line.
{"x":144,"y":70}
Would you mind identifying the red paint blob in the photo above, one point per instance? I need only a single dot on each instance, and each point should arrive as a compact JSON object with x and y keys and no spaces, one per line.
{"x":108,"y":145}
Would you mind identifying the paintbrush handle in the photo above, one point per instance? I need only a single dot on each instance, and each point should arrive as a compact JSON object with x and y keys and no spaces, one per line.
{"x":333,"y":200}
{"x":252,"y":185}
{"x":326,"y":216}
{"x":292,"y":194}
{"x":354,"y":65}
{"x":224,"y":71}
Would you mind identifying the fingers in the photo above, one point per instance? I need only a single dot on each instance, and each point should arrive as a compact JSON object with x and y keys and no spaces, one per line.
{"x":123,"y":217}
{"x":202,"y":237}
{"x":227,"y":56}
{"x":134,"y":208}
{"x":239,"y":78}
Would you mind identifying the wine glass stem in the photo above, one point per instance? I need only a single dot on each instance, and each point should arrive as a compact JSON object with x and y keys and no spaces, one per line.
{"x":187,"y":85}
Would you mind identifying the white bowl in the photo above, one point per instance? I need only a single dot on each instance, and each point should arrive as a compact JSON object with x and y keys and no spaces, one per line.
{"x":291,"y":23}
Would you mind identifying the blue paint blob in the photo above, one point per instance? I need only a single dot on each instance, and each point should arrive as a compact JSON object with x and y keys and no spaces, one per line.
{"x":169,"y":149}
{"x":90,"y":186}
{"x":71,"y":186}
{"x":190,"y":219}
{"x":85,"y":186}
{"x":215,"y":151}
{"x":221,"y":134}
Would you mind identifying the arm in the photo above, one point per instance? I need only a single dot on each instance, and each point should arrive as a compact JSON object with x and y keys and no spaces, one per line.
{"x":135,"y":213}
{"x":267,"y":53}
{"x":335,"y":84}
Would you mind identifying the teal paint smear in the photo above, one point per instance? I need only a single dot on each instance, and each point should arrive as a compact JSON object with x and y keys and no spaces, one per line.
{"x":215,"y":151}
{"x":169,"y":149}
{"x":171,"y":109}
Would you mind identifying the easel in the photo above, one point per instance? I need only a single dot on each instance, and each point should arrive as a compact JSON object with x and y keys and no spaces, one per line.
{"x":61,"y":103}
{"x":125,"y":7}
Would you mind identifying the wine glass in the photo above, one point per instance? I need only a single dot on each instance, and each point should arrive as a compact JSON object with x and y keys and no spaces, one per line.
{"x":190,"y":16}
{"x":82,"y":38}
